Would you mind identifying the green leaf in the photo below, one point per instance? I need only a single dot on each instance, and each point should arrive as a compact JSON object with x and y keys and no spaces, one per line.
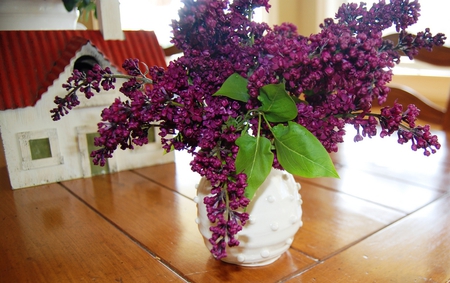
{"x":308,"y":92}
{"x":70,"y":4}
{"x":301,"y":153}
{"x":235,"y":87}
{"x":255,"y":159}
{"x":277,"y":104}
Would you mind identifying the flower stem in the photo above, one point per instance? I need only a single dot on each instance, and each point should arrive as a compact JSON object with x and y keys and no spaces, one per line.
{"x":120,"y":76}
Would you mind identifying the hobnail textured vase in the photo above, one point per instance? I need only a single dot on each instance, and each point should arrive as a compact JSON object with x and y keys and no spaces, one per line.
{"x":274,"y":219}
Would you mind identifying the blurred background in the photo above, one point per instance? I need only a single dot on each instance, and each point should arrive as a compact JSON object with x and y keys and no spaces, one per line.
{"x":431,"y":81}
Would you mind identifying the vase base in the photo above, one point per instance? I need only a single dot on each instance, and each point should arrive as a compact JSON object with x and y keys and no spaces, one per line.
{"x":252,"y":264}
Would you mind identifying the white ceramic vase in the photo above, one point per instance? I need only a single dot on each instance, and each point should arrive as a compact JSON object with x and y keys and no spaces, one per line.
{"x":275,"y":217}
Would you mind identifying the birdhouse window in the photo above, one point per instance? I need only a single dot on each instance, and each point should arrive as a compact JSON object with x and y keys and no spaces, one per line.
{"x":95,"y":169}
{"x":151,"y":135}
{"x":39,"y":149}
{"x":85,"y":63}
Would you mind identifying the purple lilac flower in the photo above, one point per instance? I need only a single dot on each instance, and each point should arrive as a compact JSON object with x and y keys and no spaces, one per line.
{"x":85,"y":83}
{"x":335,"y":75}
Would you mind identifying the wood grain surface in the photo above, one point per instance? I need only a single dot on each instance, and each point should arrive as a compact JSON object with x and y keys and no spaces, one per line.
{"x":386,"y":219}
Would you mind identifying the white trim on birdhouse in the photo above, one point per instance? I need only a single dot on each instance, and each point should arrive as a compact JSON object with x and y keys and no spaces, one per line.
{"x":28,"y":163}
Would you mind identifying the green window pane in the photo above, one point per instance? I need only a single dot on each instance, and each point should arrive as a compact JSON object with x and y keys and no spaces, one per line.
{"x":95,"y":169}
{"x":151,"y":135}
{"x":40,"y":148}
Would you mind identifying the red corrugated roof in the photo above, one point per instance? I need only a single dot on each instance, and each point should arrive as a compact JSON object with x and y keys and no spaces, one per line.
{"x":31,"y":60}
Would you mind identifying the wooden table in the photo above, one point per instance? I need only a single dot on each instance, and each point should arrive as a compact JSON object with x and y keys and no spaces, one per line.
{"x":386,"y":220}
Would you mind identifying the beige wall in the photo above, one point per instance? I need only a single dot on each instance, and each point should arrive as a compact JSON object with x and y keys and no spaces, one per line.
{"x":302,"y":13}
{"x":305,"y":14}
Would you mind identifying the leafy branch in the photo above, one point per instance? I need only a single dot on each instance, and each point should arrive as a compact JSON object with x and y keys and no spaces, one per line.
{"x":297,"y":149}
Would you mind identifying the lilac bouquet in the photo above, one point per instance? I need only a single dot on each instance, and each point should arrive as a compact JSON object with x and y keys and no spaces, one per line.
{"x":245,"y":97}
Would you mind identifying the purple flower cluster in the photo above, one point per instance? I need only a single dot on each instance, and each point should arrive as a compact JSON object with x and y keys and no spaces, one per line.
{"x":222,"y":209}
{"x":335,"y":75}
{"x":341,"y":71}
{"x":85,"y":83}
{"x":394,"y":119}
